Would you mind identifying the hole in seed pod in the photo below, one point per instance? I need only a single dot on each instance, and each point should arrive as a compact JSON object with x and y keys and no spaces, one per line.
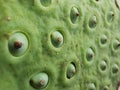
{"x":91,"y":86}
{"x":56,"y":39}
{"x":103,"y":65}
{"x":71,"y":70}
{"x":103,"y":39}
{"x":45,"y":2}
{"x":115,"y":69}
{"x":117,"y":2}
{"x":116,"y":44}
{"x":90,"y":54}
{"x":93,"y":21}
{"x":110,"y":16}
{"x":106,"y":88}
{"x":74,"y":14}
{"x":39,"y":81}
{"x":17,"y":44}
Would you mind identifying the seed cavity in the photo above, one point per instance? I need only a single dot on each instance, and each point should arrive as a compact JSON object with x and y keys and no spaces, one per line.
{"x":71,"y":70}
{"x":110,"y":16}
{"x":89,"y":54}
{"x":103,"y":39}
{"x":93,"y":21}
{"x":46,"y":3}
{"x":117,"y":2}
{"x":39,"y":81}
{"x":116,"y":44}
{"x":74,"y":14}
{"x":57,"y":39}
{"x":17,"y":44}
{"x":115,"y":68}
{"x":91,"y":86}
{"x":103,"y":65}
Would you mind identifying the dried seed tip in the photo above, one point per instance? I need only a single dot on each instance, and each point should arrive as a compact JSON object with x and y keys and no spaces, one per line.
{"x":57,"y":39}
{"x":93,"y":22}
{"x":103,"y":39}
{"x":89,"y":54}
{"x":74,"y":14}
{"x":17,"y":44}
{"x":117,"y":2}
{"x":103,"y":65}
{"x":91,"y":86}
{"x":115,"y":68}
{"x":39,"y":81}
{"x":71,"y":70}
{"x":46,"y":2}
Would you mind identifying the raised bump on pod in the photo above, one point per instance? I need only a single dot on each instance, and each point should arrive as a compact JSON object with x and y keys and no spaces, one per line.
{"x":39,"y":81}
{"x":74,"y":14}
{"x":56,"y":39}
{"x":71,"y":70}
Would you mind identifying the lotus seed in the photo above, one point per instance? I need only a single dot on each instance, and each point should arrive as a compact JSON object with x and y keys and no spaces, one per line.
{"x":91,"y":86}
{"x":103,"y":39}
{"x":45,"y":2}
{"x":110,"y":16}
{"x":74,"y":14}
{"x":115,"y":68}
{"x":93,"y":22}
{"x":71,"y":70}
{"x":89,"y":54}
{"x":39,"y":81}
{"x":103,"y":65}
{"x":17,"y":44}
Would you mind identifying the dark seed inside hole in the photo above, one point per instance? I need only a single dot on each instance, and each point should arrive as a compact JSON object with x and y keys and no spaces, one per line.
{"x":17,"y":44}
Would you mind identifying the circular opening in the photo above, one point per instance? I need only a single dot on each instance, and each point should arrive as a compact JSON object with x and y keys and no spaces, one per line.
{"x":17,"y":44}
{"x":93,"y":21}
{"x":91,"y":86}
{"x":117,"y":2}
{"x":39,"y":81}
{"x":90,"y":54}
{"x":57,"y":39}
{"x":74,"y":14}
{"x":71,"y":70}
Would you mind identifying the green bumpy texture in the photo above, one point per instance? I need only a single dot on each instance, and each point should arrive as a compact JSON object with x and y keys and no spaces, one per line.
{"x":59,"y":45}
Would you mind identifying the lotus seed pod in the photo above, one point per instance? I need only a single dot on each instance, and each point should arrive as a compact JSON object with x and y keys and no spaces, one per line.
{"x":57,"y":39}
{"x":60,"y":44}
{"x":17,"y":44}
{"x":71,"y":70}
{"x":39,"y":81}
